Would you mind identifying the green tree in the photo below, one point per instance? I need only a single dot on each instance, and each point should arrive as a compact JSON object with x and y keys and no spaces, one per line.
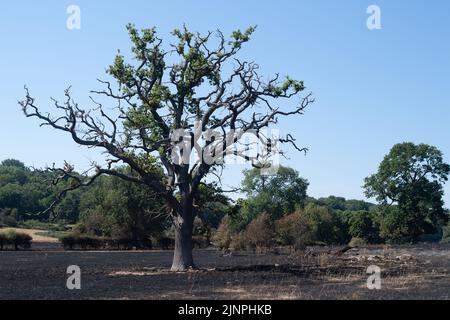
{"x":168,"y":96}
{"x":10,"y":174}
{"x":326,"y":225}
{"x":117,"y":208}
{"x":362,"y":224}
{"x":212,"y":205}
{"x":409,"y":188}
{"x":340,"y":203}
{"x":276,"y":195}
{"x":13,"y":163}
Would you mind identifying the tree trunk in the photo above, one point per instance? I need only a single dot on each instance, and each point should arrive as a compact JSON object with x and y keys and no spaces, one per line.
{"x":183,"y":259}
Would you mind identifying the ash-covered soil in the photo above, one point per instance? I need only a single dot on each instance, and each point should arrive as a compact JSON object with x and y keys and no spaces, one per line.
{"x":407,"y":272}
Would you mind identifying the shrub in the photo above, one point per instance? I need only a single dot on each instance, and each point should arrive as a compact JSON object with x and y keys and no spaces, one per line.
{"x":22,"y":240}
{"x":200,"y":242}
{"x":326,"y":225}
{"x":239,"y":242}
{"x":260,"y":233}
{"x":81,"y":241}
{"x":393,"y":225}
{"x":96,"y":224}
{"x":16,"y":239}
{"x":69,"y":241}
{"x":295,"y":230}
{"x":361,"y":224}
{"x":446,"y":234}
{"x":202,"y":234}
{"x":223,"y":236}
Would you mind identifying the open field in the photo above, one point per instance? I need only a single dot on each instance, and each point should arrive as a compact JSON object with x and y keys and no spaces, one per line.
{"x":408,"y":272}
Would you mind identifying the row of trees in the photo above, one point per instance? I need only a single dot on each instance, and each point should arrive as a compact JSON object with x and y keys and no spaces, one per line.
{"x":110,"y":207}
{"x":276,"y":207}
{"x":408,"y":187}
{"x":26,"y":194}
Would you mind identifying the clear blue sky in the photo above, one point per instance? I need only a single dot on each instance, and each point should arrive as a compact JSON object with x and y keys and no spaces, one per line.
{"x":373,"y":88}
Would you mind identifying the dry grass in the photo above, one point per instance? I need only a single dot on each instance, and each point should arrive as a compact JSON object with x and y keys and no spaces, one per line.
{"x":37,"y":238}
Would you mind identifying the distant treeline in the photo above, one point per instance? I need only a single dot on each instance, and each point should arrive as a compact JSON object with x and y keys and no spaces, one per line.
{"x":275,"y":211}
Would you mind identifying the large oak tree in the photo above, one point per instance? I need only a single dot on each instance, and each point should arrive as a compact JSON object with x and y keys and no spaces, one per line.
{"x":195,"y":85}
{"x":409,"y":188}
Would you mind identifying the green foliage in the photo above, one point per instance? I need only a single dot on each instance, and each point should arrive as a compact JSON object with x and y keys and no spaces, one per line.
{"x":446,"y":234}
{"x":13,"y":163}
{"x":211,"y":205}
{"x":197,"y":65}
{"x":8,"y":217}
{"x":394,"y":224}
{"x":241,"y":37}
{"x":409,"y":187}
{"x":13,"y":175}
{"x":28,"y":193}
{"x":117,"y":208}
{"x":287,"y":86}
{"x":110,"y":207}
{"x":326,"y":225}
{"x":276,"y":195}
{"x":340,"y":203}
{"x":362,"y":225}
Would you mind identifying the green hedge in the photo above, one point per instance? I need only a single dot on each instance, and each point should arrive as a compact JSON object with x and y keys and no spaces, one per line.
{"x":15,"y":239}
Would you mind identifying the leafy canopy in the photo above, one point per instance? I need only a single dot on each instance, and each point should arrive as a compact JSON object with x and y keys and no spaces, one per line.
{"x":410,"y":178}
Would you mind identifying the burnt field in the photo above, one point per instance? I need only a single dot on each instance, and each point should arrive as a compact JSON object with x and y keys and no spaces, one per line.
{"x":407,"y":272}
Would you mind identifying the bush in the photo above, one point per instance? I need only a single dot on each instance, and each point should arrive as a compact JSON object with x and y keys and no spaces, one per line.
{"x":295,"y":230}
{"x":83,"y":242}
{"x":223,"y":236}
{"x":326,"y":225}
{"x":260,"y":233}
{"x":446,"y":234}
{"x":76,"y":241}
{"x":361,"y":224}
{"x":16,"y":239}
{"x":202,"y":234}
{"x":69,"y":241}
{"x":239,"y":242}
{"x":200,"y":242}
{"x":96,"y":224}
{"x":393,"y":225}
